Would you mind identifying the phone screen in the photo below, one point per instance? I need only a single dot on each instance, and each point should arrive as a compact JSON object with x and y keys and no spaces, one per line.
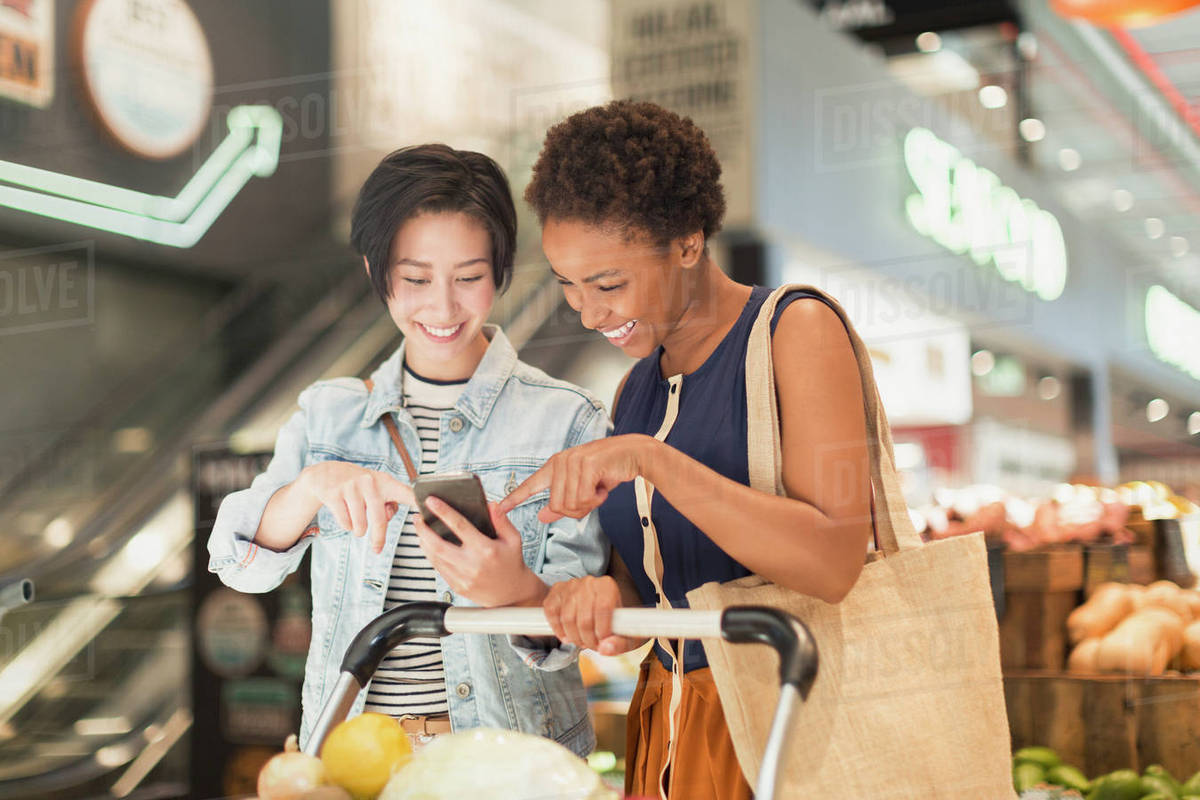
{"x":463,"y":492}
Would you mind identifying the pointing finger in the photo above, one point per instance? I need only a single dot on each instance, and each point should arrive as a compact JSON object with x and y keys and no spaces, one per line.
{"x":529,"y":487}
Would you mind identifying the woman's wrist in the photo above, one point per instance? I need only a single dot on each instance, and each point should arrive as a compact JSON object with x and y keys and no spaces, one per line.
{"x":648,"y":457}
{"x":305,"y":481}
{"x":534,"y":590}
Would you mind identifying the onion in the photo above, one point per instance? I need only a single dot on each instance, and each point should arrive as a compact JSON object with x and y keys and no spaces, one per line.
{"x":287,"y":776}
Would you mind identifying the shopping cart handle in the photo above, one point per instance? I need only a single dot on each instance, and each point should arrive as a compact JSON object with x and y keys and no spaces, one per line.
{"x":787,"y":635}
{"x":389,"y":630}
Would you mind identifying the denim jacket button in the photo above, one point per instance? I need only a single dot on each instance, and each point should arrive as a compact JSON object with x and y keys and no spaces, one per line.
{"x":463,"y":690}
{"x":456,"y":424}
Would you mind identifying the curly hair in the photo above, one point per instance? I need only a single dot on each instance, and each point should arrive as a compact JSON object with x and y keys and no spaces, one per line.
{"x":634,"y":165}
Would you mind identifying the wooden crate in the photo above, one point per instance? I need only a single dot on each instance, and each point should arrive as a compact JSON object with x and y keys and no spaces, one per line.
{"x":1052,"y":569}
{"x":1116,"y":562}
{"x":1033,"y":632}
{"x":1108,"y":722}
{"x":1041,"y":589}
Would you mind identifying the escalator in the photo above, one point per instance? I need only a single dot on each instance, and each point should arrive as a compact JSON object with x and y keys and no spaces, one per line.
{"x":94,"y":697}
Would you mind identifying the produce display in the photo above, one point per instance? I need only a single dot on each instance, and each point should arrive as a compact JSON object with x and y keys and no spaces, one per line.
{"x":1038,"y":772}
{"x":1142,"y":630}
{"x":498,"y":765}
{"x":369,"y":757}
{"x":1072,"y":513}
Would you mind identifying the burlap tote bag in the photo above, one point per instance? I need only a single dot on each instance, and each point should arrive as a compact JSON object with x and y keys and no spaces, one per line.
{"x":908,"y":701}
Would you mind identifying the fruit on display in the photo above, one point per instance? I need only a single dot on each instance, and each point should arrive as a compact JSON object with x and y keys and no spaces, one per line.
{"x":1142,"y":630}
{"x":1109,"y":604}
{"x":290,"y":776}
{"x":327,"y":792}
{"x":498,"y":765}
{"x":1038,"y":772}
{"x":1073,"y":513}
{"x":1155,"y":500}
{"x":362,"y":759}
{"x":361,"y":753}
{"x":1124,"y":784}
{"x":1189,"y":659}
{"x":1068,"y":777}
{"x":1027,"y":776}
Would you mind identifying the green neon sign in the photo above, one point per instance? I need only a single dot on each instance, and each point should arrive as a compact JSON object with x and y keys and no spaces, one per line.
{"x":1173,"y":330}
{"x":966,"y":209}
{"x":250,"y":149}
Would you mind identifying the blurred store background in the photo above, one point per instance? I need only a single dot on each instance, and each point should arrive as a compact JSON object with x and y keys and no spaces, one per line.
{"x":1005,"y":196}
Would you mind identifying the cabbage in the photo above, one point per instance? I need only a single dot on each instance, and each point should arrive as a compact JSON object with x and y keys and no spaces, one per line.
{"x":497,"y":765}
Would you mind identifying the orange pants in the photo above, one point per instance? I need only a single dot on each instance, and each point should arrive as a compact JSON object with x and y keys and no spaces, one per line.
{"x":705,"y":766}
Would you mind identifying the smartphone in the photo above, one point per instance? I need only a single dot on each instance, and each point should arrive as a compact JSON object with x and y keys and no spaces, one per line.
{"x":463,"y":492}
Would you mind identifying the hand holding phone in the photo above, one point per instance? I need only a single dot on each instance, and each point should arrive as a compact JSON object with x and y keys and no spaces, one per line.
{"x":460,"y":490}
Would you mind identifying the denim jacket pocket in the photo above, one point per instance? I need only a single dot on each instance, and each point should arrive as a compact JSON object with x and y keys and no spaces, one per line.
{"x":501,"y":479}
{"x":329,"y":527}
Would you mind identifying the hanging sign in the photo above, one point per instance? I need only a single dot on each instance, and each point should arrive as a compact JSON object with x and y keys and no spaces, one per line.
{"x":966,"y":209}
{"x":27,"y":51}
{"x":1173,"y":330}
{"x":697,"y":58}
{"x":146,"y":72}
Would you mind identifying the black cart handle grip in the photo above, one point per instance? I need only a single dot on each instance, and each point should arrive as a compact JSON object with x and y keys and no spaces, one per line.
{"x":789,"y":637}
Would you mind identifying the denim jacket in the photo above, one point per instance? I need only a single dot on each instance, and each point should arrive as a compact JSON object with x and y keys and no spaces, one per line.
{"x":509,"y":419}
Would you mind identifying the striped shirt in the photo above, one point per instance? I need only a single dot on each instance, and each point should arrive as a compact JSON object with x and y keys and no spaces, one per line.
{"x":411,"y":679}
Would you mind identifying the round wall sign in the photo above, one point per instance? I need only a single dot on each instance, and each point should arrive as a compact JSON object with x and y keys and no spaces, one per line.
{"x":231,"y":633}
{"x":146,"y":72}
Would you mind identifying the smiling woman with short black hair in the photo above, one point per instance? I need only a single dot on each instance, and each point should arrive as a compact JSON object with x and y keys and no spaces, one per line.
{"x":436,"y":229}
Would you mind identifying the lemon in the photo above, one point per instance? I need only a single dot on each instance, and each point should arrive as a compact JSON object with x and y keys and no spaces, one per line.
{"x":361,"y":753}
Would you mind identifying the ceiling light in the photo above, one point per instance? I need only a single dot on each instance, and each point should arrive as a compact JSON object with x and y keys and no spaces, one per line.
{"x":929,"y":42}
{"x":982,"y":362}
{"x":1032,"y":129}
{"x":103,"y":726}
{"x":133,"y":440}
{"x":59,"y":533}
{"x":1193,"y":423}
{"x":1027,"y":44}
{"x":1122,"y":200}
{"x":1155,"y":227}
{"x":114,"y":755}
{"x":993,"y":96}
{"x":1069,"y":159}
{"x":1157,"y":409}
{"x":1179,"y":246}
{"x":1049,"y":387}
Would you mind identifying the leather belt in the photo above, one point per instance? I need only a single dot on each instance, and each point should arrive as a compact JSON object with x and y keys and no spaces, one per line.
{"x":431,"y":725}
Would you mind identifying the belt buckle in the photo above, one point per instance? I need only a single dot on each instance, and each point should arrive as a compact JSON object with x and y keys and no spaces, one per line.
{"x":423,"y":736}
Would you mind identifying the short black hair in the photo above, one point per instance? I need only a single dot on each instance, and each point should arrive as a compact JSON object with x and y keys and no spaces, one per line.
{"x":636,"y":166}
{"x":430,"y":179}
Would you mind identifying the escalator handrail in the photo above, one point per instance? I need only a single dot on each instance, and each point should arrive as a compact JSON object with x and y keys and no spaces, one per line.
{"x":155,"y":468}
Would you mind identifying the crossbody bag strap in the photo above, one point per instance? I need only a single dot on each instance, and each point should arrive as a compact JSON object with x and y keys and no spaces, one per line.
{"x":389,"y":422}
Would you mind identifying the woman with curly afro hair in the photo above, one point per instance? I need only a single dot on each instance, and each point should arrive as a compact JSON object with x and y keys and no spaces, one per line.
{"x":629,"y":195}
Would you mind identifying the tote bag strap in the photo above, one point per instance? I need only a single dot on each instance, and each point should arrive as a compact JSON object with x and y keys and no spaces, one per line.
{"x":893,"y":526}
{"x":389,"y":422}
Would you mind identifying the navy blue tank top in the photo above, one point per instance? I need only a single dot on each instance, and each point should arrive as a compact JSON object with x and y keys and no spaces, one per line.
{"x":711,"y":428}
